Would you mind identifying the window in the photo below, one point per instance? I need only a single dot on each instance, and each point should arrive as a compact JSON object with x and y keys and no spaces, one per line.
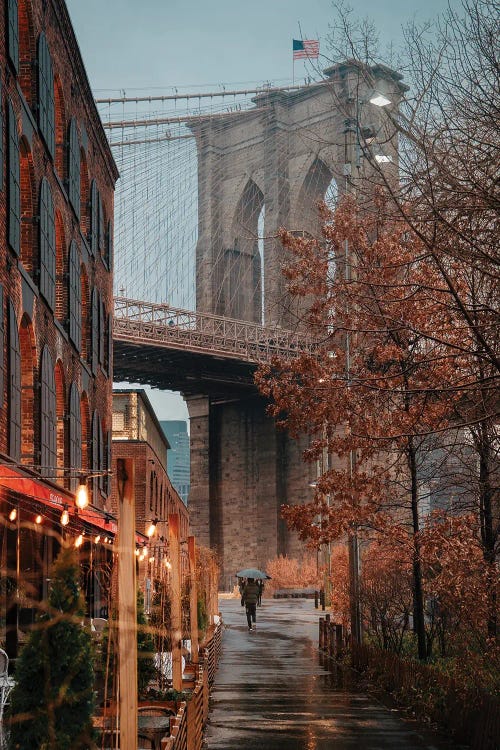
{"x":74,"y":297}
{"x":14,"y":387}
{"x":101,"y":455}
{"x":14,"y":184}
{"x":101,"y":226}
{"x":102,"y":333}
{"x":107,"y":465}
{"x":1,"y":137}
{"x":47,"y":244}
{"x":94,"y":330}
{"x":48,"y":422}
{"x":97,"y":451}
{"x":13,"y":33}
{"x":46,"y":109}
{"x":74,"y":167}
{"x":94,"y":218}
{"x":75,"y":434}
{"x":2,"y":337}
{"x":108,"y":246}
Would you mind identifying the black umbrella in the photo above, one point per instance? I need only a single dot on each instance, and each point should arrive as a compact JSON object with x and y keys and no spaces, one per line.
{"x":252,"y":573}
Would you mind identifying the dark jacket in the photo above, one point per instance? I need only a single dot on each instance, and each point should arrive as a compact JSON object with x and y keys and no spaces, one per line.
{"x":250,"y":593}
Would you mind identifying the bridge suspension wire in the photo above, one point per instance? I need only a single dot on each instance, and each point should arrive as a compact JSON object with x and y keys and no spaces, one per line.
{"x":163,"y":201}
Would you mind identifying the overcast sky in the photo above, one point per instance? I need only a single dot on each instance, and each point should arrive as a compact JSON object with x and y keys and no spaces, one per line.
{"x":164,"y":44}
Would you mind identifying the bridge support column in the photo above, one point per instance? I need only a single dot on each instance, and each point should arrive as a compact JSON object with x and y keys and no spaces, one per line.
{"x":199,"y":498}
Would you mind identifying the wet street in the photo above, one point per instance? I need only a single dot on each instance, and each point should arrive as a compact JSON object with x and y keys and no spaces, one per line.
{"x":272,"y":693}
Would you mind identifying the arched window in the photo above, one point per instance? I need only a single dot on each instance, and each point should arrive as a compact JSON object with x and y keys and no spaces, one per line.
{"x":13,"y":33}
{"x":102,"y":451}
{"x":14,"y":387}
{"x":75,"y":435}
{"x":94,"y":218}
{"x":102,"y":332}
{"x":46,"y":109}
{"x":74,"y":296}
{"x":261,"y":247}
{"x":74,"y":167}
{"x":47,"y":244}
{"x":107,"y":464}
{"x":48,"y":433}
{"x":94,"y":330}
{"x":14,"y":184}
{"x":61,"y":421}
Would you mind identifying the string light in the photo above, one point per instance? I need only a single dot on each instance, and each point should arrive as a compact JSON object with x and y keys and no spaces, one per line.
{"x":152,"y":528}
{"x":13,"y":514}
{"x":79,"y":540}
{"x":168,"y":564}
{"x":82,"y":494}
{"x":97,"y":539}
{"x":38,"y":519}
{"x":65,"y":516}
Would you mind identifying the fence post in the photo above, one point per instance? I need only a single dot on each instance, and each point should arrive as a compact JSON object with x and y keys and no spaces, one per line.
{"x":339,"y":639}
{"x":327,"y":633}
{"x":331,"y":641}
{"x":316,"y":599}
{"x":321,"y":633}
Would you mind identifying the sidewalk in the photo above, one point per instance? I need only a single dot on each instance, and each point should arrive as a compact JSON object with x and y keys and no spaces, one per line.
{"x":271,"y":692}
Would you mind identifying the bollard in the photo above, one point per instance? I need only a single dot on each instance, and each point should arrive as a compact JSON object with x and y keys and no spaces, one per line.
{"x":327,"y":634}
{"x":322,"y":599}
{"x":339,"y":640}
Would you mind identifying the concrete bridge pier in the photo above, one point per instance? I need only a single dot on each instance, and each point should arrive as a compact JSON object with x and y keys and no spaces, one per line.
{"x":242,"y":471}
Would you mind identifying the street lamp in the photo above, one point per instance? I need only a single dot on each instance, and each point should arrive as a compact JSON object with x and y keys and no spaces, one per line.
{"x":363,"y":136}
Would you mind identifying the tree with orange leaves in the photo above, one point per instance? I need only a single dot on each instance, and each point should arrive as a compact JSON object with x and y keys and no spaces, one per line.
{"x":381,"y":382}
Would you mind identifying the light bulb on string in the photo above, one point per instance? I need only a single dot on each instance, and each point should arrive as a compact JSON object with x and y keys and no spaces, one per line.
{"x":38,"y":519}
{"x":65,"y":516}
{"x":82,"y":494}
{"x":13,"y":514}
{"x":79,"y":540}
{"x":97,"y":539}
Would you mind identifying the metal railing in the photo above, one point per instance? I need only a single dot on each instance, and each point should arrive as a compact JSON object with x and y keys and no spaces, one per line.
{"x":146,"y":322}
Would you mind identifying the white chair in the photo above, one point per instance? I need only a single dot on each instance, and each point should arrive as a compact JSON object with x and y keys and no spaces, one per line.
{"x":6,"y":682}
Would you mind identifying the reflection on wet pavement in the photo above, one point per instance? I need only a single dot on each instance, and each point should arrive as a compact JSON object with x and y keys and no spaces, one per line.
{"x":272,"y":692}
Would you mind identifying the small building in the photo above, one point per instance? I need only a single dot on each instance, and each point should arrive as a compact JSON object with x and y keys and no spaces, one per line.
{"x":137,"y":435}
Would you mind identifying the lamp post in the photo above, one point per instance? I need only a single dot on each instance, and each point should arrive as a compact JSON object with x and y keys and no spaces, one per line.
{"x":358,"y":138}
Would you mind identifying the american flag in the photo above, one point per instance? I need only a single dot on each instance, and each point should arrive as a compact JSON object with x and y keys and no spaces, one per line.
{"x":305,"y":48}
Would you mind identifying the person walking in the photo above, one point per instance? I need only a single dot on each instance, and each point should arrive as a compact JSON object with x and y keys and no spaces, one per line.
{"x":260,"y":584}
{"x":249,"y":599}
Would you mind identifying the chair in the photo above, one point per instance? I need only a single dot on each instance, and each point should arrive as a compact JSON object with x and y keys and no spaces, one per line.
{"x":153,"y":731}
{"x":6,"y":682}
{"x":99,"y":624}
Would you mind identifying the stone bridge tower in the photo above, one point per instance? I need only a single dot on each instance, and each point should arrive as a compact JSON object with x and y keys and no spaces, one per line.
{"x":259,"y":170}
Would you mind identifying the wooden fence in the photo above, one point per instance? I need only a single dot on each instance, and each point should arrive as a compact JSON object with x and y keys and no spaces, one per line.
{"x":186,"y":730}
{"x":471,"y":716}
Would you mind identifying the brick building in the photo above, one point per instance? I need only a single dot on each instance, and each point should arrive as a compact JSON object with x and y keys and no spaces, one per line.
{"x":56,"y":229}
{"x":138,"y":435}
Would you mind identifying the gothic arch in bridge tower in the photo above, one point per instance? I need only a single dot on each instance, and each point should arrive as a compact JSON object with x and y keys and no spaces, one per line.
{"x":239,"y":288}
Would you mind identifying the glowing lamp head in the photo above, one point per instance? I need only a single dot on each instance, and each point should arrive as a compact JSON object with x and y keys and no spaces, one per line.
{"x":152,"y":528}
{"x":38,"y":519}
{"x":65,"y":516}
{"x":13,"y":514}
{"x":79,"y":541}
{"x":82,"y":494}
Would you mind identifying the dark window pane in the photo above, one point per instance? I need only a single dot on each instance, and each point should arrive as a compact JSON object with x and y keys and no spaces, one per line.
{"x":47,"y":243}
{"x":94,"y":218}
{"x":108,"y":251}
{"x":2,"y":342}
{"x":1,"y":138}
{"x":101,"y":225}
{"x":14,"y":184}
{"x":48,"y":449}
{"x":13,"y":33}
{"x":46,"y":112}
{"x":14,"y":387}
{"x":74,"y":297}
{"x":96,"y":431}
{"x":74,"y":167}
{"x":75,"y":435}
{"x":94,"y":331}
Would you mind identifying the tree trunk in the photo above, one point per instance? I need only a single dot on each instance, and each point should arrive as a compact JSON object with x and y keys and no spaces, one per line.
{"x":418,"y":596}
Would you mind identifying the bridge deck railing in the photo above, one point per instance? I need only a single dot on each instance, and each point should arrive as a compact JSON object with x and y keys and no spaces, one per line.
{"x":135,"y":320}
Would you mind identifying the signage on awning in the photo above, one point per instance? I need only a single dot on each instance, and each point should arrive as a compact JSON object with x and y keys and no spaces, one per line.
{"x":12,"y":479}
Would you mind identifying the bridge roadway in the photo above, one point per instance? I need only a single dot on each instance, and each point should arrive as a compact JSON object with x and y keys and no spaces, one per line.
{"x":190,"y":352}
{"x":272,"y":691}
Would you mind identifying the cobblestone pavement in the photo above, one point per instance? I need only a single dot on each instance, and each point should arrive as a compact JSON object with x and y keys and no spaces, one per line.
{"x":271,"y":691}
